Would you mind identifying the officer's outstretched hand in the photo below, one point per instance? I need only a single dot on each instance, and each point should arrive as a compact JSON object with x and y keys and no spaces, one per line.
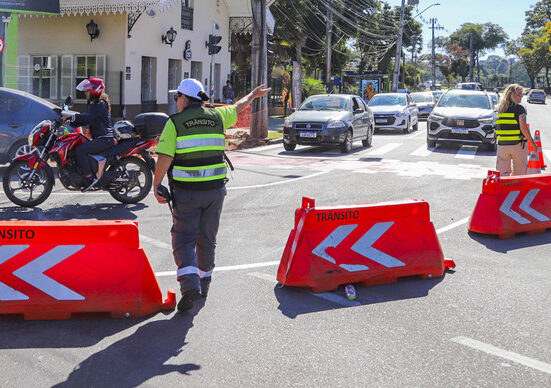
{"x":260,"y":91}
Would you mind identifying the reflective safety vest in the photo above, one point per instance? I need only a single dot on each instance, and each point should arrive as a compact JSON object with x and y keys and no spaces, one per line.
{"x":508,"y":129}
{"x":199,"y":159}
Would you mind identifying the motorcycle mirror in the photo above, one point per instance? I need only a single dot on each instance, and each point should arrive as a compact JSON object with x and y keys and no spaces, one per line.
{"x":68,"y":100}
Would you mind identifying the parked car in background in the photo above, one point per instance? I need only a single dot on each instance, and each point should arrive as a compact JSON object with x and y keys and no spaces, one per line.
{"x":470,"y":86}
{"x":19,"y":113}
{"x":462,"y":116}
{"x":536,"y":95}
{"x":437,"y":94}
{"x":337,"y":119}
{"x":425,"y":102}
{"x":394,"y":110}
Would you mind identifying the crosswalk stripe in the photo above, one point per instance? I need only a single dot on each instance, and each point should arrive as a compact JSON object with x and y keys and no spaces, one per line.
{"x":466,"y":152}
{"x":384,"y":149}
{"x":423,"y":151}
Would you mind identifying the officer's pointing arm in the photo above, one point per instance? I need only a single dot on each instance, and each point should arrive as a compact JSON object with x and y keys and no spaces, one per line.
{"x":245,"y":101}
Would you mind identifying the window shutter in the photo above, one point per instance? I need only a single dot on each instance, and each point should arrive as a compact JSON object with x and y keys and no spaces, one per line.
{"x":24,"y":73}
{"x":53,"y":77}
{"x":100,"y":66}
{"x":67,"y":76}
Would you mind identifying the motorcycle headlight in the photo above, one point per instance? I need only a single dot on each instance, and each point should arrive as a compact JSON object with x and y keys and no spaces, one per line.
{"x":335,"y":124}
{"x":486,"y":120}
{"x":436,"y":117}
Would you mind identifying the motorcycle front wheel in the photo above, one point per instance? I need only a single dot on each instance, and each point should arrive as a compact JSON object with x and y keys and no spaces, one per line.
{"x":135,"y":180}
{"x":24,"y":190}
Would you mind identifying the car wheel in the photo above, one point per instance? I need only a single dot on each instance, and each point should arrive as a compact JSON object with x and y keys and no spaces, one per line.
{"x":289,"y":146}
{"x":346,"y":146}
{"x":16,"y":149}
{"x":26,"y":149}
{"x":406,"y":129}
{"x":416,"y":126}
{"x":369,"y":138}
{"x":431,"y":143}
{"x":492,"y":147}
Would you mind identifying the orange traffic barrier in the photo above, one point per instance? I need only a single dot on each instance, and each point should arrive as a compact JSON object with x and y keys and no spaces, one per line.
{"x":537,"y":139}
{"x":533,"y":161}
{"x":68,"y":269}
{"x":513,"y":204}
{"x":369,"y":244}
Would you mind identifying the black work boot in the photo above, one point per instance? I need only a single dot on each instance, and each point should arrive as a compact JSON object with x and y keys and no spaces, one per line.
{"x":188,"y":298}
{"x":205,"y":284}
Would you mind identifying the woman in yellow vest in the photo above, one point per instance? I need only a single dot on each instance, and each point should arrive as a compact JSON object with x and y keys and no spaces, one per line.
{"x":512,"y":133}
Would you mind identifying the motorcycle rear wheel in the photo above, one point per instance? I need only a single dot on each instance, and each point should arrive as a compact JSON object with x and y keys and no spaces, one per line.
{"x":20,"y":191}
{"x":139,"y":182}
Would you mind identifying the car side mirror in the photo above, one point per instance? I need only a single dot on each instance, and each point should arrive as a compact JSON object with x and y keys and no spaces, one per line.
{"x":358,"y":110}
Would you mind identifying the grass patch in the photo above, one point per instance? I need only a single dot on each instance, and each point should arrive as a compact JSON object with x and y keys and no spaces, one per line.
{"x":273,"y":135}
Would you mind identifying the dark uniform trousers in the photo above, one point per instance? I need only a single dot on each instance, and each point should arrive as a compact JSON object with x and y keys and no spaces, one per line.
{"x":195,"y":224}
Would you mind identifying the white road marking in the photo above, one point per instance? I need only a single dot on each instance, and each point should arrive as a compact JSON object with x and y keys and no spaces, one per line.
{"x":384,"y":149}
{"x":547,"y":154}
{"x":415,"y":134}
{"x":227,"y":268}
{"x":511,"y":356}
{"x":279,"y":182}
{"x":423,"y":151}
{"x":452,"y":226}
{"x":466,"y":152}
{"x":264,"y":276}
{"x":155,"y":243}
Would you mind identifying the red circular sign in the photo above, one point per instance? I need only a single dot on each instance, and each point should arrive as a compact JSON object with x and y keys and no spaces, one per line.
{"x":2,"y":45}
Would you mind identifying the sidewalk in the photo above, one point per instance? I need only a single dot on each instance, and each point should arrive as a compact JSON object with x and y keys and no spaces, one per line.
{"x":239,"y":138}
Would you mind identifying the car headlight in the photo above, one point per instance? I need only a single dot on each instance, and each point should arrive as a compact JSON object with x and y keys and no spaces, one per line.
{"x":401,"y":113}
{"x":486,"y":120}
{"x":335,"y":124}
{"x":436,"y":117}
{"x":287,"y":124}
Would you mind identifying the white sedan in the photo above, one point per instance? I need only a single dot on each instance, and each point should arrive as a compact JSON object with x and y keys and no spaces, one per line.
{"x":394,"y":111}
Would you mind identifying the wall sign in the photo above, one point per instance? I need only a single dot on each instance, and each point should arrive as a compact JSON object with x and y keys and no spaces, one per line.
{"x":187,"y":51}
{"x":2,"y":45}
{"x":27,"y":6}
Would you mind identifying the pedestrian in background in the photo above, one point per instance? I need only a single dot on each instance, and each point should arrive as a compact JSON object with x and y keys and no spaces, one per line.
{"x":191,"y":151}
{"x":227,"y":92}
{"x":512,"y":133}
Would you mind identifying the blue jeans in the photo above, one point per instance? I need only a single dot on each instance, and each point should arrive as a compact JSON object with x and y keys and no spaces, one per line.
{"x":92,"y":147}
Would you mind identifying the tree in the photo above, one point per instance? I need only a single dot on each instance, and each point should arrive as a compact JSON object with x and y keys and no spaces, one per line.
{"x":532,"y":55}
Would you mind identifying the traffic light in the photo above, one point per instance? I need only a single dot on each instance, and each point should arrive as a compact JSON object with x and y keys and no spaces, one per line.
{"x":212,"y":44}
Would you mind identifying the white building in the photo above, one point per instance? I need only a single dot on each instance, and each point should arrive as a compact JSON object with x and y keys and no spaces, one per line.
{"x":138,"y":66}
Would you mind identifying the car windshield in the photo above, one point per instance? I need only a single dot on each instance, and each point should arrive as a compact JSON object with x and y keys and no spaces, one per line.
{"x":381,"y":99}
{"x":325,"y":103}
{"x":437,"y":94}
{"x":464,"y":101}
{"x":421,"y":97}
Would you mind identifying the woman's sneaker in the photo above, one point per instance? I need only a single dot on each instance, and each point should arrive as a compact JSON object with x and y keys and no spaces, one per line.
{"x":205,"y":284}
{"x":89,"y":183}
{"x":188,"y":298}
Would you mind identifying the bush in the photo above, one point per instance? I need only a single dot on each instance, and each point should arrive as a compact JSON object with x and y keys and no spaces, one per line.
{"x":311,"y":86}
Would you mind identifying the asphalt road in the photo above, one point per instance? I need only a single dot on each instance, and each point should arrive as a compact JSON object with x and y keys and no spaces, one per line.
{"x":484,"y":324}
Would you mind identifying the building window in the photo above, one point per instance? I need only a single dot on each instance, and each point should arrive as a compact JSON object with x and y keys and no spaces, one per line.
{"x":187,"y":14}
{"x":44,"y":80}
{"x":76,"y":68}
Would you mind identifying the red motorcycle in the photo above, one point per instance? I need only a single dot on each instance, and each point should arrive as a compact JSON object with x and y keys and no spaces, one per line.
{"x":125,"y":170}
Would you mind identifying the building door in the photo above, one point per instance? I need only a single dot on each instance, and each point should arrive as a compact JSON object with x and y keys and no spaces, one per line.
{"x":196,"y":70}
{"x":174,"y":77}
{"x":148,"y":88}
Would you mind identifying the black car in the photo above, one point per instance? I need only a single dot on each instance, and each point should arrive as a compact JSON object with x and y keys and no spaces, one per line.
{"x":19,"y":113}
{"x":337,"y":119}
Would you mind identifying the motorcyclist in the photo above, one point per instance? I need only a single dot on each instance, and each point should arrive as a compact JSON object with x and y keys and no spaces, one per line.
{"x":98,"y":119}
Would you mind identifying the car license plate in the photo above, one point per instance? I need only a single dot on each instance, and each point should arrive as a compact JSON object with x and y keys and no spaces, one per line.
{"x":308,"y":134}
{"x":382,"y":121}
{"x":460,"y":130}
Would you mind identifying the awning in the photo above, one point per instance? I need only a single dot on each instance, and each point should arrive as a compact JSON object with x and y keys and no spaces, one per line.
{"x":92,"y":7}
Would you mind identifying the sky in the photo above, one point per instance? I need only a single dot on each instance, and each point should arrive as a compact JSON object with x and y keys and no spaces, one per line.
{"x":509,"y":14}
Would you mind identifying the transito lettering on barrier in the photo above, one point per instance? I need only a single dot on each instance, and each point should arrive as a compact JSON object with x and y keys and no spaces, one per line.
{"x":339,"y":215}
{"x":16,"y":233}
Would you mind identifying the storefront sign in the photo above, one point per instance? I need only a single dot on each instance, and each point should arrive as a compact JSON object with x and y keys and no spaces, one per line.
{"x":30,"y":6}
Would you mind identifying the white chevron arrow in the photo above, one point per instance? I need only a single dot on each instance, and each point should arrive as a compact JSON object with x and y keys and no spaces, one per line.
{"x":363,"y":246}
{"x":6,"y":253}
{"x":33,"y":272}
{"x":524,"y":205}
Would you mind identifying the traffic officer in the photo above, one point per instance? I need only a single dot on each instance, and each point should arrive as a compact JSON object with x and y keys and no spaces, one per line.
{"x":191,"y":151}
{"x":512,"y":133}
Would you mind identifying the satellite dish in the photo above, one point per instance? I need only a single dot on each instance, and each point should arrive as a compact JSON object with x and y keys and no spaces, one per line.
{"x":150,"y":12}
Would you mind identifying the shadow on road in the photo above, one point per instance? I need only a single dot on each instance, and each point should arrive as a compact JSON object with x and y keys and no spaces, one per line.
{"x":98,"y":211}
{"x":505,"y":245}
{"x":137,"y":358}
{"x":295,"y":301}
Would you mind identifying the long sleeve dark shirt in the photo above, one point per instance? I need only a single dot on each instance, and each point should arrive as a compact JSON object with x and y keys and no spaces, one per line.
{"x":98,"y":120}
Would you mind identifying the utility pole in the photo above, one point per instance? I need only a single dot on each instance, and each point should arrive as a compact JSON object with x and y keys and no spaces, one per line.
{"x":398,"y":49}
{"x":433,"y":27}
{"x":328,"y":35}
{"x":259,"y":71}
{"x":471,"y":52}
{"x":4,"y":19}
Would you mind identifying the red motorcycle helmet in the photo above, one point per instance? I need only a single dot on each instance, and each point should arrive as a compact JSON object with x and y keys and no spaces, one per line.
{"x":96,"y":86}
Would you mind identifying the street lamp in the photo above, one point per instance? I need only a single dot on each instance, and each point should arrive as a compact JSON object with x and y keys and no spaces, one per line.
{"x":169,"y":37}
{"x":432,"y":5}
{"x":93,"y":30}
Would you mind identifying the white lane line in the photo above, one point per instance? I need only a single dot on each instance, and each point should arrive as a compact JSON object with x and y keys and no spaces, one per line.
{"x":227,"y":268}
{"x":423,"y":151}
{"x":452,"y":226}
{"x":415,"y":134}
{"x":330,"y":296}
{"x":547,"y":154}
{"x":466,"y":152}
{"x":279,"y":182}
{"x":511,"y":356}
{"x":384,"y":149}
{"x":155,"y":243}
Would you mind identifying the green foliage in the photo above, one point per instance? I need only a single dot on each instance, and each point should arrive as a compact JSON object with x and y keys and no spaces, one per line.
{"x":311,"y":86}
